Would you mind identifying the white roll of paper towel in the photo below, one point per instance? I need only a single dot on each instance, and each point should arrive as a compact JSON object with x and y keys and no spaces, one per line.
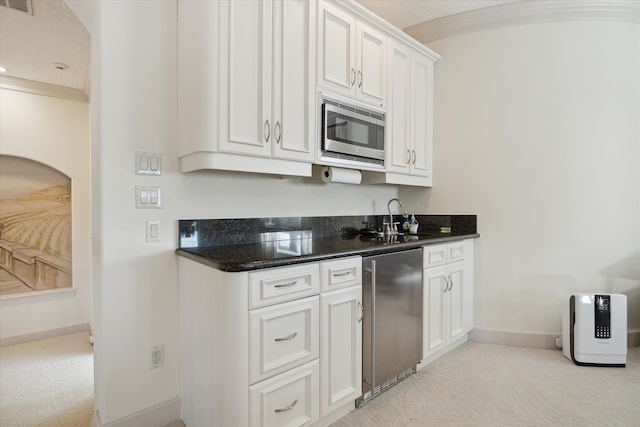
{"x":346,"y":176}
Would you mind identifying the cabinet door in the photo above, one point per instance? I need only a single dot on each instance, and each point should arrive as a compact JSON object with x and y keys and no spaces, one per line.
{"x":435,"y":301}
{"x":422,"y":115}
{"x":245,"y":76}
{"x":336,"y":50}
{"x":293,"y":83}
{"x":398,"y":154}
{"x":341,"y":348}
{"x":456,"y":297}
{"x":371,"y":73}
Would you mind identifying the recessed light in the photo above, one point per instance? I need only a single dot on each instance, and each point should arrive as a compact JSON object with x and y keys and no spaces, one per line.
{"x":3,"y":70}
{"x":60,"y":66}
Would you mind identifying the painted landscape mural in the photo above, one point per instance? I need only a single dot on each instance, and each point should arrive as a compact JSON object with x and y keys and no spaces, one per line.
{"x":35,"y":227}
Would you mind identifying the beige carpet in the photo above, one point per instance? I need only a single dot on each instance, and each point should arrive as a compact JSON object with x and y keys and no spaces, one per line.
{"x":491,"y":385}
{"x":50,"y":383}
{"x":47,"y":382}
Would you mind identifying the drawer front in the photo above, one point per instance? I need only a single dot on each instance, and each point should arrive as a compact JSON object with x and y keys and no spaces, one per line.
{"x":456,"y":251}
{"x":340,"y":273}
{"x":276,"y":285}
{"x":434,"y":255}
{"x":289,"y":399}
{"x":283,"y":337}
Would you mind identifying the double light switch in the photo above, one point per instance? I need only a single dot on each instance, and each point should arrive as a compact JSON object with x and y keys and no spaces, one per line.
{"x":148,"y":197}
{"x":148,"y":163}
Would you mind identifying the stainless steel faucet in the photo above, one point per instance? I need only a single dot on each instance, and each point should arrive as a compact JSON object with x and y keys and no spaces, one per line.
{"x":392,"y":225}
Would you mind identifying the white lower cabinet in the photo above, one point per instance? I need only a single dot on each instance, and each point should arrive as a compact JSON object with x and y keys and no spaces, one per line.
{"x":289,"y":399}
{"x":341,"y":342}
{"x":448,"y":294}
{"x":283,"y":336}
{"x":272,"y":347}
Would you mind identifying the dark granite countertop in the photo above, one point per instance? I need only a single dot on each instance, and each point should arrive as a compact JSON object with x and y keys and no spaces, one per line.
{"x":250,"y":244}
{"x":253,"y":256}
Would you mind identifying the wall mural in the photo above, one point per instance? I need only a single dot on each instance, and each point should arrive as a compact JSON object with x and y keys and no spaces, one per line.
{"x":35,"y":227}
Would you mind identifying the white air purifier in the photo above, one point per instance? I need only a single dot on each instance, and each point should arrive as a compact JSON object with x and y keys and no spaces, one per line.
{"x":594,"y":330}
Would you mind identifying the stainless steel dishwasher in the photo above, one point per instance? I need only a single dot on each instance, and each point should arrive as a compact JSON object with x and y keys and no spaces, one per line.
{"x":392,"y":326}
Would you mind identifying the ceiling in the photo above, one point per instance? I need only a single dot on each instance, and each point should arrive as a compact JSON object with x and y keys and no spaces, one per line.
{"x":405,"y":13}
{"x":31,"y":45}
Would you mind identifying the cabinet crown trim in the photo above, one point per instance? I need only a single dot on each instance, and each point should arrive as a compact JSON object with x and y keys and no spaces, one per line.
{"x":525,"y":12}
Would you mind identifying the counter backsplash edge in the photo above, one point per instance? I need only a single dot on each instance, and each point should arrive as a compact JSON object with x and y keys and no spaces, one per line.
{"x":237,"y":231}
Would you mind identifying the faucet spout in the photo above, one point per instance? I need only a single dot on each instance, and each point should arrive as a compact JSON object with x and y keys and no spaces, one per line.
{"x":393,"y":228}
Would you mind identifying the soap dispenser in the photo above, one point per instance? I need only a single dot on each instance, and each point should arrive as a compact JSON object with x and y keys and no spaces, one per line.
{"x":413,"y":225}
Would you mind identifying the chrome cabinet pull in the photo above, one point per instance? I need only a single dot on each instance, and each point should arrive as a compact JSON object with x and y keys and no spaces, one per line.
{"x":288,"y":408}
{"x":267,"y":130}
{"x":353,"y":77}
{"x":346,"y":273}
{"x":414,"y":156}
{"x":286,"y":285}
{"x":360,"y":75}
{"x":451,"y":282}
{"x":287,"y":338}
{"x":279,"y":128}
{"x":361,"y":312}
{"x":446,"y":282}
{"x":409,"y":155}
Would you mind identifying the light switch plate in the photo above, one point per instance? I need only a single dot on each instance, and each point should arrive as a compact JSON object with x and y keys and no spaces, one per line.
{"x":148,"y":197}
{"x":153,"y":231}
{"x":148,"y":163}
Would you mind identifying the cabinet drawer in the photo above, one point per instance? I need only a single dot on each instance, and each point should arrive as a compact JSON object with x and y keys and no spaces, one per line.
{"x":436,"y":255}
{"x":275,"y":285}
{"x":289,"y":399}
{"x":282,"y":337}
{"x":341,"y":273}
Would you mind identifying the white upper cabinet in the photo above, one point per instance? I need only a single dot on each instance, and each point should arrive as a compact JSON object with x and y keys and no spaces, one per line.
{"x":246,"y":73}
{"x":251,"y":106}
{"x":269,"y":90}
{"x":421,"y":116}
{"x":398,"y":150}
{"x":410,"y":121}
{"x":293,"y":81}
{"x":409,"y":127}
{"x":249,"y":73}
{"x":351,"y":56}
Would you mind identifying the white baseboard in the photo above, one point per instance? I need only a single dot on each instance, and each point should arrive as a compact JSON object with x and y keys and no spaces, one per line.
{"x":19,"y":339}
{"x":161,"y":415}
{"x":526,"y":339}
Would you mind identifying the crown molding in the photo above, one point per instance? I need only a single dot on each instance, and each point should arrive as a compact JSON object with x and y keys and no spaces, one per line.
{"x":40,"y":88}
{"x":526,"y":12}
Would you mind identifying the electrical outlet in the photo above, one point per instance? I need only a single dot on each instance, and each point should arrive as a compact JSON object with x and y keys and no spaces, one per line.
{"x":157,"y":356}
{"x":558,"y":342}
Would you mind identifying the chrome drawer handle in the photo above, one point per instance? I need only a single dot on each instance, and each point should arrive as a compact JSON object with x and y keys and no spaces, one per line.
{"x":286,"y":285}
{"x":346,"y":273}
{"x":287,"y":338}
{"x":279,"y":129}
{"x":267,"y":130}
{"x":361,"y":307}
{"x":288,"y":408}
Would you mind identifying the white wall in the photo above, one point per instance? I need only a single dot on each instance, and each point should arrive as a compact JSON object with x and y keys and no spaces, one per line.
{"x":537,"y":131}
{"x":133,"y":108}
{"x":54,"y":132}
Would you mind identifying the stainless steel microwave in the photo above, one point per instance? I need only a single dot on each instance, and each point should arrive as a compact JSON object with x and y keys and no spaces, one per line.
{"x":351,"y":134}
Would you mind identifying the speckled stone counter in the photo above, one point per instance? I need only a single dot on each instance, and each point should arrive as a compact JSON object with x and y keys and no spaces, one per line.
{"x":254,"y":243}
